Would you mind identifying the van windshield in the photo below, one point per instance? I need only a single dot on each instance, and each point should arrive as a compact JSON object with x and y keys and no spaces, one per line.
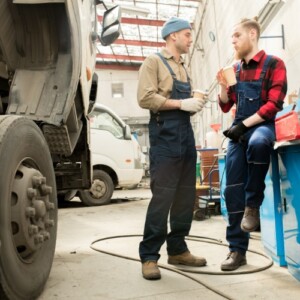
{"x":104,"y":121}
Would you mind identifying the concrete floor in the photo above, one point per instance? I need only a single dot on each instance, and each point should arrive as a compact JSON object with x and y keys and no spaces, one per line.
{"x":80,"y":272}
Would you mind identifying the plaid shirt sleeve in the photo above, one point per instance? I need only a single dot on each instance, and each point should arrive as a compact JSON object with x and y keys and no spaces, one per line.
{"x":274,"y":89}
{"x":225,"y":107}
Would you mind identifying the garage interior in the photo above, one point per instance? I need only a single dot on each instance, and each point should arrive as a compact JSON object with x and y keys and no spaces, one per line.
{"x":97,"y":247}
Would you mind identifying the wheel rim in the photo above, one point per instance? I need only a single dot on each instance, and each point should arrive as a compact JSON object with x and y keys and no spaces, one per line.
{"x":31,"y":222}
{"x":98,"y":189}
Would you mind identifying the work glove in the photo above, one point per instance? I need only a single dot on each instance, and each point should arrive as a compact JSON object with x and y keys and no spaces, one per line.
{"x":236,"y":132}
{"x":192,"y":104}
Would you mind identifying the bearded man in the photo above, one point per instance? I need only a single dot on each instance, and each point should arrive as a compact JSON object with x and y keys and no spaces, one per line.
{"x":258,"y":95}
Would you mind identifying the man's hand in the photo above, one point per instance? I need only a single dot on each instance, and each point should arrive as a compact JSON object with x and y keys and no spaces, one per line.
{"x":236,"y":132}
{"x":192,"y":104}
{"x":220,"y":78}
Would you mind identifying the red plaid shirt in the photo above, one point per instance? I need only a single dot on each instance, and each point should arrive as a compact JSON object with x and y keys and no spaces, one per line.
{"x":274,"y":85}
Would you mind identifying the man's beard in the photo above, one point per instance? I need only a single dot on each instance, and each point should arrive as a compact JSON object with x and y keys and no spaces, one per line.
{"x":182,"y":49}
{"x":243,"y":52}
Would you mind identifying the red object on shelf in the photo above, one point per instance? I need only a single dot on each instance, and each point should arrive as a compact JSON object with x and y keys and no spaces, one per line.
{"x":215,"y":126}
{"x":287,"y":127}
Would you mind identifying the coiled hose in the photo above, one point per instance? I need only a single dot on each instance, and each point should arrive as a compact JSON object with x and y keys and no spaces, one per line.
{"x":183,"y":271}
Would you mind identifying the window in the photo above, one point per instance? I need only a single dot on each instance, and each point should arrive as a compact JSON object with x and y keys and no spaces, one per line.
{"x":117,"y":90}
{"x":104,"y":121}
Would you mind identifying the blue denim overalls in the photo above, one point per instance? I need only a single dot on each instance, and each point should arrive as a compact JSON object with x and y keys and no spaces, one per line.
{"x":173,"y":177}
{"x":247,"y":162}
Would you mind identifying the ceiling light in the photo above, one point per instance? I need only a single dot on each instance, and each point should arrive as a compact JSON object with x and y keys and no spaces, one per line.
{"x":131,"y":10}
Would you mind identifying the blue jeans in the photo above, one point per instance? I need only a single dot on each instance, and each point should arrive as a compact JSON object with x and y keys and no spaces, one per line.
{"x":247,"y":164}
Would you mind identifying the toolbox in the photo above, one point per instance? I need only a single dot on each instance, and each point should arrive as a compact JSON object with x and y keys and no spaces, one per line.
{"x":287,"y":125}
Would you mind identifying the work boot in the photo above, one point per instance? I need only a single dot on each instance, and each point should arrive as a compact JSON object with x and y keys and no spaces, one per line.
{"x":250,"y":221}
{"x":186,"y":258}
{"x":233,"y":261}
{"x":150,"y":270}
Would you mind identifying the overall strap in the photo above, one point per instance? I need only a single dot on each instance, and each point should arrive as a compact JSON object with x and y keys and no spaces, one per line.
{"x":265,"y":67}
{"x":237,"y":71}
{"x":170,"y":69}
{"x":263,"y":72}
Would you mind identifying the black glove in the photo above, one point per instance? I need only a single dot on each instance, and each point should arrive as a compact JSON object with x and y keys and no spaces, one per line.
{"x":236,"y":132}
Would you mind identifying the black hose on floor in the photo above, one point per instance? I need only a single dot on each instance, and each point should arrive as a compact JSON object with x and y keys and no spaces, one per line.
{"x":183,"y":271}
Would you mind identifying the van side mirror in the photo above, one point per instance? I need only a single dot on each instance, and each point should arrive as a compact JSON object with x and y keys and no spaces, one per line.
{"x":127,"y":132}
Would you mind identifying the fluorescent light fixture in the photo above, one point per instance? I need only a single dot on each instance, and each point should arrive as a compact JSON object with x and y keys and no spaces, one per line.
{"x":131,"y":10}
{"x":267,"y":14}
{"x":134,"y":10}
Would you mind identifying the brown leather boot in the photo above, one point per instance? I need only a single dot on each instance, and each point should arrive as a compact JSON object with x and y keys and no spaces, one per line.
{"x":150,"y":270}
{"x":233,"y":261}
{"x":186,"y":258}
{"x":250,"y":221}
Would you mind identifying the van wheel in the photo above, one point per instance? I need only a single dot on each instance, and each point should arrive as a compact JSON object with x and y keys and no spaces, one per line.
{"x":66,"y":196}
{"x":132,"y":187}
{"x":101,"y":190}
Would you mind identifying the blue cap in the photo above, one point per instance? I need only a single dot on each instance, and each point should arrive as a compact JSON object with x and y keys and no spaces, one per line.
{"x":173,"y":25}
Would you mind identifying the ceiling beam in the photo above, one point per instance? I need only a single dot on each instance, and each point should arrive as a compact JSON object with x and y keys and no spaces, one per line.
{"x":113,"y":66}
{"x":120,"y":57}
{"x":139,"y":43}
{"x":135,"y":21}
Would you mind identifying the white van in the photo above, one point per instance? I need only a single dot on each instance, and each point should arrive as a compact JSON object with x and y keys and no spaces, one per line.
{"x":116,"y":156}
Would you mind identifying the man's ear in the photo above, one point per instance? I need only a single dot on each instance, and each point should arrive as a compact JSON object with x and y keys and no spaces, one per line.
{"x":253,"y":33}
{"x":173,"y":36}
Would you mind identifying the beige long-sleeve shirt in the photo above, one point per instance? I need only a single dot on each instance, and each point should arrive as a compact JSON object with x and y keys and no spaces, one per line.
{"x":155,"y":81}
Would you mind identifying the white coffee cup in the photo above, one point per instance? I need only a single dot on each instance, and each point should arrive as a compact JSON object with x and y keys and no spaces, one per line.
{"x":199,"y":94}
{"x":229,"y":75}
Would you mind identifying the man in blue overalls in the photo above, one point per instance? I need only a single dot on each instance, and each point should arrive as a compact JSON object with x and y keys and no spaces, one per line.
{"x":259,"y":93}
{"x":165,"y":89}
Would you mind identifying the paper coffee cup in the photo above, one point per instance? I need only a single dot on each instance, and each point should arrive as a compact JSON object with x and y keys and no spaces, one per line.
{"x":199,"y":94}
{"x":229,"y":75}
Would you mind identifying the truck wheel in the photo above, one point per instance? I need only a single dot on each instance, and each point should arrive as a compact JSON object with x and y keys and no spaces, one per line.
{"x":28,"y":209}
{"x":101,"y":190}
